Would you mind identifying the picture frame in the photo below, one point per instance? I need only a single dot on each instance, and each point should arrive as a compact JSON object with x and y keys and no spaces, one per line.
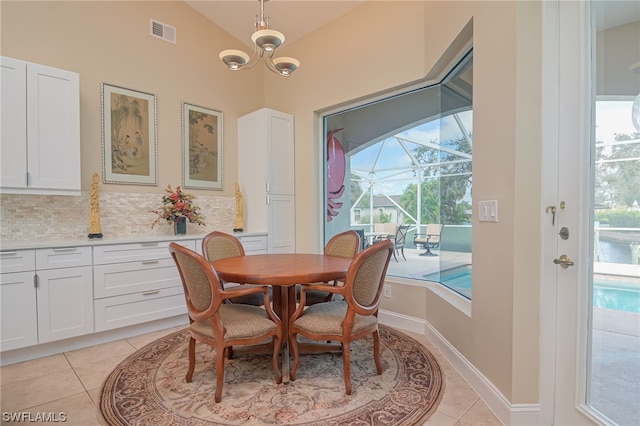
{"x":129,"y":136}
{"x":202,"y":147}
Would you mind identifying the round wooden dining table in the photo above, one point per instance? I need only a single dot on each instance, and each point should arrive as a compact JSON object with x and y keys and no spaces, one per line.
{"x":282,"y":271}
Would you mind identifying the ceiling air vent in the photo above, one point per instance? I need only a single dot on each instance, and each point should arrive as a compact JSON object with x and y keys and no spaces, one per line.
{"x":163,"y":31}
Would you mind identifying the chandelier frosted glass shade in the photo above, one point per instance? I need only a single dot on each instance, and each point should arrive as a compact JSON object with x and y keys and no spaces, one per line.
{"x":265,"y":41}
{"x":269,"y":40}
{"x":286,"y":65}
{"x":234,"y":58}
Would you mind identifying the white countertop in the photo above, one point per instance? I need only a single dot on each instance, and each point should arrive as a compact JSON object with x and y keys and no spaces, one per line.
{"x":38,"y":244}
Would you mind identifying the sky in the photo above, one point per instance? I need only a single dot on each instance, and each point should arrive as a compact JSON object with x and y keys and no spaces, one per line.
{"x":393,"y":155}
{"x":612,"y":116}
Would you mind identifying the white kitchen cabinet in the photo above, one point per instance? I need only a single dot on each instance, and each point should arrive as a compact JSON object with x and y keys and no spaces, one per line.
{"x":65,"y":293}
{"x":253,"y":244}
{"x":282,"y":231}
{"x":136,"y":283}
{"x":46,"y":295}
{"x":40,"y":136}
{"x":18,"y":314}
{"x":266,"y":176}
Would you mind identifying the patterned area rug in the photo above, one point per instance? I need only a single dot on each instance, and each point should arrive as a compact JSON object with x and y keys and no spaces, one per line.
{"x":148,"y":388}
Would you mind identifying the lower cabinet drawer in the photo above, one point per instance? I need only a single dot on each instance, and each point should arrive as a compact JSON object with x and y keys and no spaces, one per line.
{"x":254,"y":244}
{"x":118,"y":279}
{"x":17,"y":260}
{"x":131,"y":309}
{"x":63,"y":257}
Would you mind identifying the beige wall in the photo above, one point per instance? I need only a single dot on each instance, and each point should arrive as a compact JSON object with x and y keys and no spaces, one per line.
{"x":399,"y":44}
{"x":109,"y":42}
{"x":618,"y":61}
{"x":376,"y":47}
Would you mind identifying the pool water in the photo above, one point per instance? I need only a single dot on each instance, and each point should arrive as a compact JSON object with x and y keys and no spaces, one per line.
{"x":606,"y":294}
{"x":620,"y":299}
{"x":457,"y":279}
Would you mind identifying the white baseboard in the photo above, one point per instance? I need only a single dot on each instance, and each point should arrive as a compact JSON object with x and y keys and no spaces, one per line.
{"x":507,"y":413}
{"x":60,"y":346}
{"x":404,"y":322}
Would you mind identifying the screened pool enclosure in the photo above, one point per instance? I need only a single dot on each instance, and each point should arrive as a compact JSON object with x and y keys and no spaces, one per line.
{"x":407,"y":160}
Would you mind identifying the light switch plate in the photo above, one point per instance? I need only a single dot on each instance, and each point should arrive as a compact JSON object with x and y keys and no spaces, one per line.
{"x":488,"y":211}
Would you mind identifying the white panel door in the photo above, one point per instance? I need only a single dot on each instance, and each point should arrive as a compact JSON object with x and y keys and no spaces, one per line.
{"x":13,"y":123}
{"x":65,"y":303}
{"x":568,"y":335}
{"x":281,"y":153}
{"x":53,"y":120}
{"x":18,"y":317}
{"x":282,"y":226}
{"x":565,"y":125}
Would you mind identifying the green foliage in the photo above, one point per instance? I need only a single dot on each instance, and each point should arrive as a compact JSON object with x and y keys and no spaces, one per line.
{"x":382,"y":218}
{"x":364,"y":219}
{"x":444,"y":186}
{"x":617,"y":182}
{"x":356,"y":190}
{"x":364,"y":201}
{"x":430,"y":201}
{"x":619,"y":218}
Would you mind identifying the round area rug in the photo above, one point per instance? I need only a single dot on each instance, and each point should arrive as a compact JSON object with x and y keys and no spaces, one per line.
{"x":148,"y":388}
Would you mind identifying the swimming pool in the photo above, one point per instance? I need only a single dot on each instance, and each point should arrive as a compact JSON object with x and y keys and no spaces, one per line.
{"x":617,"y":294}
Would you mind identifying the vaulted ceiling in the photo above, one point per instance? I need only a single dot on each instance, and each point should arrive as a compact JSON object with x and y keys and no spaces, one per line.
{"x":293,"y":18}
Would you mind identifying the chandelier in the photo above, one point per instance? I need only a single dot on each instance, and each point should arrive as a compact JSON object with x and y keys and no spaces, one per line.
{"x":265,"y":41}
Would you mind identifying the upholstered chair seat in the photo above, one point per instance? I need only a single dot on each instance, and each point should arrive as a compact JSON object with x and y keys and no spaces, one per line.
{"x":354,"y":317}
{"x":241,"y":322}
{"x":327,"y":318}
{"x":219,"y":324}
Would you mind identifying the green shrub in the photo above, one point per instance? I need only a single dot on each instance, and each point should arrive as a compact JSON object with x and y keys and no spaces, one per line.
{"x":619,"y":218}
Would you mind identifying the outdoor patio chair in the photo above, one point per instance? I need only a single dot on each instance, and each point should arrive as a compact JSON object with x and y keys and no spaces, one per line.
{"x":399,"y":240}
{"x":363,"y":240}
{"x":346,"y":320}
{"x":218,"y":324}
{"x":429,"y":240}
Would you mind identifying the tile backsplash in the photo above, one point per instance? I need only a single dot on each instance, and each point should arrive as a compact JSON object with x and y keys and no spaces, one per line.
{"x":27,"y":217}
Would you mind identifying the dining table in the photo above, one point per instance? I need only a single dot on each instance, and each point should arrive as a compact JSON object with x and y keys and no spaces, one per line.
{"x":283,"y":271}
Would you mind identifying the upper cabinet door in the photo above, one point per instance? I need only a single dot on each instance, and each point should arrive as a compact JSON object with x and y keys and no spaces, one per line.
{"x":13,"y":123}
{"x":53,"y":123}
{"x":281,"y":153}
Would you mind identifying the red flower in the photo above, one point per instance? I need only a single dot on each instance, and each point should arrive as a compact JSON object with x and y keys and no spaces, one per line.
{"x":176,"y":205}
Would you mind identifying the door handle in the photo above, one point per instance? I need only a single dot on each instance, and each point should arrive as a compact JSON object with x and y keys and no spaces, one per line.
{"x":564,"y":261}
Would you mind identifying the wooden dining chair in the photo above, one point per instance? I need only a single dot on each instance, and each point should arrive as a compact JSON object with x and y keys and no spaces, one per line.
{"x":344,"y":244}
{"x":350,"y":319}
{"x":219,"y":245}
{"x":218,"y":324}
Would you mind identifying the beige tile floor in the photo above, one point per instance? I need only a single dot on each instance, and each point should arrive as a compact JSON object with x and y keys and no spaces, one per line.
{"x":70,"y":383}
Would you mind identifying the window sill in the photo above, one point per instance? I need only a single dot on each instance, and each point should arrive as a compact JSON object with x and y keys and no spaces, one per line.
{"x":454,"y":299}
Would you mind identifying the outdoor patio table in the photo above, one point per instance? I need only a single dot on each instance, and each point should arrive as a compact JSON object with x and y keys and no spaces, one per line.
{"x":374,"y":237}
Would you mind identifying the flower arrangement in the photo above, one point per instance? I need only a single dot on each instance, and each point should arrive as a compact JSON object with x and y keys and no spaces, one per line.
{"x":177,"y":204}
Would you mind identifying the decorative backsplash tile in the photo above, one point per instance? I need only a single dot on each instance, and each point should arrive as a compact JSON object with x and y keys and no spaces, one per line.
{"x":27,"y":217}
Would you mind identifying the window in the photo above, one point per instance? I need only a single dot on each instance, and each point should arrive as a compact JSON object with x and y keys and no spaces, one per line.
{"x":407,"y":159}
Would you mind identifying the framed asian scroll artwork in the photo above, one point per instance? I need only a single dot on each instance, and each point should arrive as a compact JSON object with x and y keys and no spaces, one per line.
{"x":129,"y":136}
{"x":201,"y":147}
